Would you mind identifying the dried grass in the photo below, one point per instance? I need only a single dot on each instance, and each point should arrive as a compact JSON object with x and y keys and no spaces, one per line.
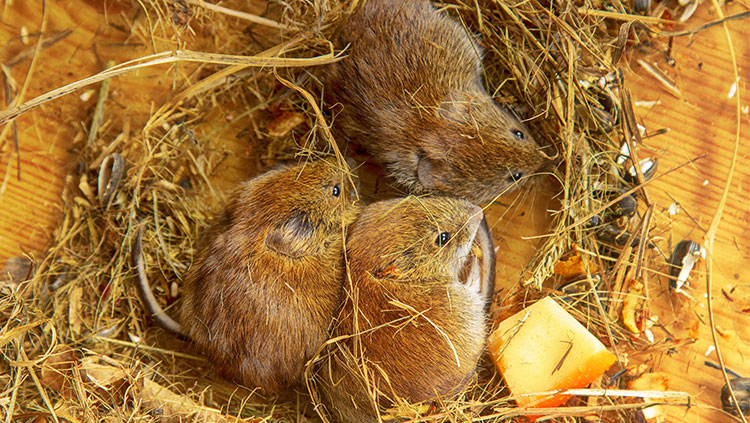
{"x":77,"y":317}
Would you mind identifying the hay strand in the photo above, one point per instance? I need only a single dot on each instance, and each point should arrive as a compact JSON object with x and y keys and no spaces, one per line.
{"x":554,"y":65}
{"x":710,"y":235}
{"x":165,"y":57}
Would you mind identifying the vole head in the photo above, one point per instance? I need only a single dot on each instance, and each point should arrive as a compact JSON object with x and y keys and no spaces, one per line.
{"x":298,"y":208}
{"x":473,"y":149}
{"x":414,"y":239}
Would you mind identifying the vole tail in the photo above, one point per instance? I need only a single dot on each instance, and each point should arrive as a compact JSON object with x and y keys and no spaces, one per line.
{"x":147,"y":296}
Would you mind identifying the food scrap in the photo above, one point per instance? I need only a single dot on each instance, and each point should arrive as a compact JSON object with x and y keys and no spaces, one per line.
{"x":573,"y":265}
{"x":543,"y":348}
{"x":684,"y":257}
{"x":632,"y":307}
{"x":651,"y":382}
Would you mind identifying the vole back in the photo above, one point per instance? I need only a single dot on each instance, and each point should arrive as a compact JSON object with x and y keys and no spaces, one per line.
{"x":259,"y":297}
{"x":410,"y":92}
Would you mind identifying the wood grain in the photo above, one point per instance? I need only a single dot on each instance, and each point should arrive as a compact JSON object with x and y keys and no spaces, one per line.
{"x":701,"y":123}
{"x":49,"y":137}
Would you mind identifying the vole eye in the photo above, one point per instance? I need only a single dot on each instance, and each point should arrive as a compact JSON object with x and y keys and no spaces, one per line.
{"x":443,"y":239}
{"x":519,"y":134}
{"x":336,"y":190}
{"x":514,"y":176}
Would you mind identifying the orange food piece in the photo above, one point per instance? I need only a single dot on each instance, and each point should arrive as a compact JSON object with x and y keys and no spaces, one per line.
{"x":632,"y":303}
{"x":285,"y":122}
{"x":695,"y":329}
{"x":573,"y":265}
{"x":651,"y":382}
{"x":543,"y":348}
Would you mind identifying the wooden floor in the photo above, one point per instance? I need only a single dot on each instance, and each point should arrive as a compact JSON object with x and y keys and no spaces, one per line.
{"x":703,"y":123}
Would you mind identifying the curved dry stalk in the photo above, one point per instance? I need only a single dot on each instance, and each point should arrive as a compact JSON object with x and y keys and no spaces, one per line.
{"x":322,"y":123}
{"x":550,"y":413}
{"x":237,"y":14}
{"x":164,"y":58}
{"x":711,"y":234}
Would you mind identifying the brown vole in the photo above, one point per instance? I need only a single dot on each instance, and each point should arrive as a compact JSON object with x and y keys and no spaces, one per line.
{"x":412,"y":313}
{"x":411,"y":93}
{"x":261,"y":293}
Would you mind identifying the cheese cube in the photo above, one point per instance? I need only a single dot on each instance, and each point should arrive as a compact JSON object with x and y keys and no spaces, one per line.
{"x":543,"y":348}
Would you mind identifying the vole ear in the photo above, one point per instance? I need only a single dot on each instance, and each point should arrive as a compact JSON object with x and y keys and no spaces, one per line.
{"x":428,"y":172}
{"x":294,"y":238}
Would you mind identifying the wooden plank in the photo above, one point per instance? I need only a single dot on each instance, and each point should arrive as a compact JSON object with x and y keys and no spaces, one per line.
{"x":700,"y":123}
{"x":50,"y":136}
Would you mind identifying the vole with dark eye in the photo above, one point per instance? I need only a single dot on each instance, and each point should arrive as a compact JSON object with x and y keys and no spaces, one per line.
{"x":413,"y":322}
{"x":261,"y":293}
{"x":411,"y":93}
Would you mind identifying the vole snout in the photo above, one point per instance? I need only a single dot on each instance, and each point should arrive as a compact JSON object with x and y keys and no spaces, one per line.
{"x":477,"y":152}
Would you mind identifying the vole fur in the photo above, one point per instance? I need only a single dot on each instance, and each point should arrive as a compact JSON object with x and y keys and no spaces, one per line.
{"x":411,"y":92}
{"x":260,"y":295}
{"x":409,"y":327}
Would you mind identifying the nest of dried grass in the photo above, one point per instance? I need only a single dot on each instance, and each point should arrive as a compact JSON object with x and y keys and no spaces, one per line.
{"x":76,"y":315}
